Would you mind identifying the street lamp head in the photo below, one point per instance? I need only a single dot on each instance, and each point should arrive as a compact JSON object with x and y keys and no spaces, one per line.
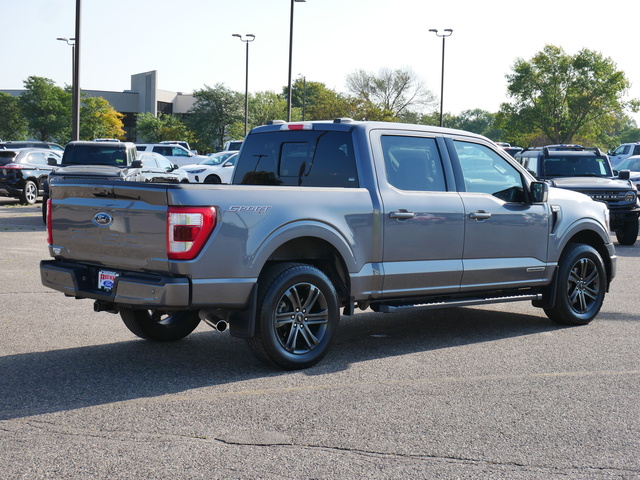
{"x":447,"y":32}
{"x":70,"y":41}
{"x":299,"y":0}
{"x":249,"y":37}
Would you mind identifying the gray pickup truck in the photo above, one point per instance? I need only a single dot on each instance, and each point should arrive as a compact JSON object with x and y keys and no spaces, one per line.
{"x":323,"y":218}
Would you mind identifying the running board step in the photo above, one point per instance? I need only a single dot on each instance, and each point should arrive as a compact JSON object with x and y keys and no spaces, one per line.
{"x":458,"y":303}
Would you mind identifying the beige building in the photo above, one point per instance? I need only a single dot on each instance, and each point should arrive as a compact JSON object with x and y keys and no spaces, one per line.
{"x":143,"y":97}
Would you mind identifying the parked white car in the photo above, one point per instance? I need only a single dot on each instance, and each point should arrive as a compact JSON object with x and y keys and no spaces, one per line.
{"x":218,"y":168}
{"x":177,"y":154}
{"x":157,"y":168}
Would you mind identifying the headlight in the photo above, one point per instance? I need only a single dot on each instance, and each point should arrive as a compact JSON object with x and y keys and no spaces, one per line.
{"x":630,"y":196}
{"x":196,"y":171}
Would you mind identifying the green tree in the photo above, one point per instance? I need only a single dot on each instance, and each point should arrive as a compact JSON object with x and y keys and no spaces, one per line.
{"x":215,"y":110}
{"x":98,"y":119}
{"x":263,"y":107}
{"x":314,"y":101}
{"x":477,"y":121}
{"x":163,"y":127}
{"x":13,"y":125}
{"x":565,"y":96}
{"x":392,"y":92}
{"x":47,"y":110}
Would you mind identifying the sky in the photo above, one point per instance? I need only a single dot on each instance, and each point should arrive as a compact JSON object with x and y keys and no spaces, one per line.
{"x":190,"y":44}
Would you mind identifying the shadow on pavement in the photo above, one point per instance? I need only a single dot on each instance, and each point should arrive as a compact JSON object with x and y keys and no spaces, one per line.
{"x":61,"y":380}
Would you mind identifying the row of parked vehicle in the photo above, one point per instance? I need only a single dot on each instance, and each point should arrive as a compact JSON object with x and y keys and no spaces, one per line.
{"x":25,"y":166}
{"x":589,"y":171}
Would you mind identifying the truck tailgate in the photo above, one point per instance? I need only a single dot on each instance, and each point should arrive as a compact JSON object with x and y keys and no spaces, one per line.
{"x":119,"y":224}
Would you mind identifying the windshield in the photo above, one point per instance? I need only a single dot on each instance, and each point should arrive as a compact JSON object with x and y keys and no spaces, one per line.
{"x":216,"y":158}
{"x":114,"y":155}
{"x":577,"y":166}
{"x":631,"y":163}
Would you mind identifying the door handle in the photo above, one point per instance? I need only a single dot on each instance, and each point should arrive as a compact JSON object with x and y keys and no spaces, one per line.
{"x":402,"y":214}
{"x":479,"y":215}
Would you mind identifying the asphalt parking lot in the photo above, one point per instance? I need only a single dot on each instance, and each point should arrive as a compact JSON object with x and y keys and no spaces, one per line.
{"x":495,"y":392}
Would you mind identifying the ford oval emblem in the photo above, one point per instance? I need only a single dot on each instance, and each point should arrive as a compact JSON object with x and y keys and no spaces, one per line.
{"x":102,"y":219}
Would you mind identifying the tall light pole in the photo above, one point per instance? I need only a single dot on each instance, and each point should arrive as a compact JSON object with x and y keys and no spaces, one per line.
{"x":447,"y":33}
{"x":74,"y":104}
{"x":290,"y":61}
{"x":304,"y":95}
{"x":75,"y":127}
{"x":248,"y":38}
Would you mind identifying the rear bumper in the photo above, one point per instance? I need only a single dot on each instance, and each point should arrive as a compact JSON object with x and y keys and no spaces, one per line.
{"x":10,"y":191}
{"x":147,"y":290}
{"x":80,"y":281}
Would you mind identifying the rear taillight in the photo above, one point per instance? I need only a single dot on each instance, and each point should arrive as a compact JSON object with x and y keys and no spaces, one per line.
{"x":49,"y":222}
{"x":188,"y":228}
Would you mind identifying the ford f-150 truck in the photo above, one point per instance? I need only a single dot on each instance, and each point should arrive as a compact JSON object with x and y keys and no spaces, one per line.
{"x":324,"y":218}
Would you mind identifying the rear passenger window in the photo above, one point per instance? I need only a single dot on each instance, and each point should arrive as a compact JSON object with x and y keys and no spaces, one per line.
{"x":413,"y":163}
{"x":298,"y":158}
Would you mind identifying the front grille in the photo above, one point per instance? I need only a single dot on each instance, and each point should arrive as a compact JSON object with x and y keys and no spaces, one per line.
{"x":606,"y":196}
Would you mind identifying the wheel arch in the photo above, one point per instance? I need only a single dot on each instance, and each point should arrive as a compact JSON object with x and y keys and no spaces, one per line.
{"x":589,"y":233}
{"x":593,"y":239}
{"x":317,"y":252}
{"x":307,"y":243}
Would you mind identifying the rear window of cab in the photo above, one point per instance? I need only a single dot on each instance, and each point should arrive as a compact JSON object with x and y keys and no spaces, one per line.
{"x":311,"y":158}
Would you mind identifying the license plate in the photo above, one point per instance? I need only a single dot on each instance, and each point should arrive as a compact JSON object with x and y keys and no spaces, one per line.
{"x":106,"y":280}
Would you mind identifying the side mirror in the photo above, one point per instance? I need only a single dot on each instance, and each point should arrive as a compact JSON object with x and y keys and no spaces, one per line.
{"x":51,"y":161}
{"x":623,"y":174}
{"x":539,"y":192}
{"x":136,"y":164}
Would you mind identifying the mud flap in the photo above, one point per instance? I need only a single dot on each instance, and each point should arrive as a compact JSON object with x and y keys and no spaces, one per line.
{"x":548,"y":294}
{"x":243,"y":324}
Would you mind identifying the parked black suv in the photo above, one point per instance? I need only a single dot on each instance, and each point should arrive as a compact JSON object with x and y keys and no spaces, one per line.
{"x":588,"y":171}
{"x":24,"y":170}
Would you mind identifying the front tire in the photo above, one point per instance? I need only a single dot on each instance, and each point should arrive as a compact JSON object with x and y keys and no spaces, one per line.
{"x":212,"y":179}
{"x":29,"y":193}
{"x":581,"y":286}
{"x":160,"y":326}
{"x":298,"y":315}
{"x":629,"y":233}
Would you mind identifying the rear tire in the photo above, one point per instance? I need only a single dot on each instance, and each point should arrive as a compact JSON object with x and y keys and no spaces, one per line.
{"x":298,"y":315}
{"x":160,"y":326}
{"x":29,"y":193}
{"x":581,"y":286}
{"x":628,"y":234}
